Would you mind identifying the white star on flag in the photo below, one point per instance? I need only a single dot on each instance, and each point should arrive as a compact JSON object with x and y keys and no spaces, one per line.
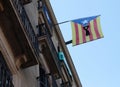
{"x":85,"y":21}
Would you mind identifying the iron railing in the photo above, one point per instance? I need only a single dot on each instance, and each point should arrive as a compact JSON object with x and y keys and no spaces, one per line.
{"x":43,"y":79}
{"x":5,"y":74}
{"x":43,"y":31}
{"x":26,"y":24}
{"x":45,"y":82}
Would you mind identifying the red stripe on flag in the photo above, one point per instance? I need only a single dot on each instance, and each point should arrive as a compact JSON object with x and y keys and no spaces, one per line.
{"x":77,"y":33}
{"x":96,"y":29}
{"x":91,"y":36}
{"x":83,"y":34}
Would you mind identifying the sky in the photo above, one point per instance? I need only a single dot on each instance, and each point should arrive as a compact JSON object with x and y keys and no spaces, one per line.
{"x":97,"y":62}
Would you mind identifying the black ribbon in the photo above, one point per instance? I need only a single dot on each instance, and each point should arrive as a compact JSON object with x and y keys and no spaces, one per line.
{"x":86,"y":30}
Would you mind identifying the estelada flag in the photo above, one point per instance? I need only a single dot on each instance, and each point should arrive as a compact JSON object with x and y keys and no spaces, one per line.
{"x":86,"y":29}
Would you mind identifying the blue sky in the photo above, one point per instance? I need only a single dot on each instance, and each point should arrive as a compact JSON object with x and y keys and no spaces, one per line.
{"x":97,"y":62}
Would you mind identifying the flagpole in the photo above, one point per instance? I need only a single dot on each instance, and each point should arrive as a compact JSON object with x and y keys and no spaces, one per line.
{"x":70,"y":41}
{"x":61,"y":23}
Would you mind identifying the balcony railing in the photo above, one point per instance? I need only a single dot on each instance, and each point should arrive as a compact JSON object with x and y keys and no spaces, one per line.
{"x":44,"y":32}
{"x":45,"y":82}
{"x":43,"y":79}
{"x":5,"y":74}
{"x":42,"y":8}
{"x":54,"y":84}
{"x":26,"y":24}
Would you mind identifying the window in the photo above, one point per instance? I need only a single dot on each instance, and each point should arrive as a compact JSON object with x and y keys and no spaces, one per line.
{"x":5,"y":75}
{"x":47,"y":15}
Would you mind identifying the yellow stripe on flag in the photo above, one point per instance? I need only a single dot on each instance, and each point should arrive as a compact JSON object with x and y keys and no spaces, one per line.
{"x":92,"y":30}
{"x":80,"y":34}
{"x":87,"y":38}
{"x":73,"y":34}
{"x":99,"y":27}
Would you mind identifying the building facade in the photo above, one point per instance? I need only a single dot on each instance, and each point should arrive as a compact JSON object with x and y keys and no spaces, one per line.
{"x":32,"y":49}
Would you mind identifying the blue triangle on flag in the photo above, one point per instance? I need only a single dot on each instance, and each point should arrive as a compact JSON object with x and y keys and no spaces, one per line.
{"x":84,"y":21}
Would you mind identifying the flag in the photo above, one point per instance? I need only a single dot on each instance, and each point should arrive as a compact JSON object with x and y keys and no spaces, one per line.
{"x":86,"y":29}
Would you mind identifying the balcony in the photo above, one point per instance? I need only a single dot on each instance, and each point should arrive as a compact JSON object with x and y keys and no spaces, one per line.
{"x":48,"y":50}
{"x":46,"y":17}
{"x":26,"y":24}
{"x":19,"y":33}
{"x":67,"y":76}
{"x":65,"y":70}
{"x":46,"y":80}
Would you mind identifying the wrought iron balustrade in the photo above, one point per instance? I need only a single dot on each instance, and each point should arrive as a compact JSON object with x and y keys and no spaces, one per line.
{"x":45,"y":83}
{"x":44,"y":32}
{"x":45,"y":11}
{"x":43,"y":79}
{"x":26,"y":24}
{"x":5,"y":74}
